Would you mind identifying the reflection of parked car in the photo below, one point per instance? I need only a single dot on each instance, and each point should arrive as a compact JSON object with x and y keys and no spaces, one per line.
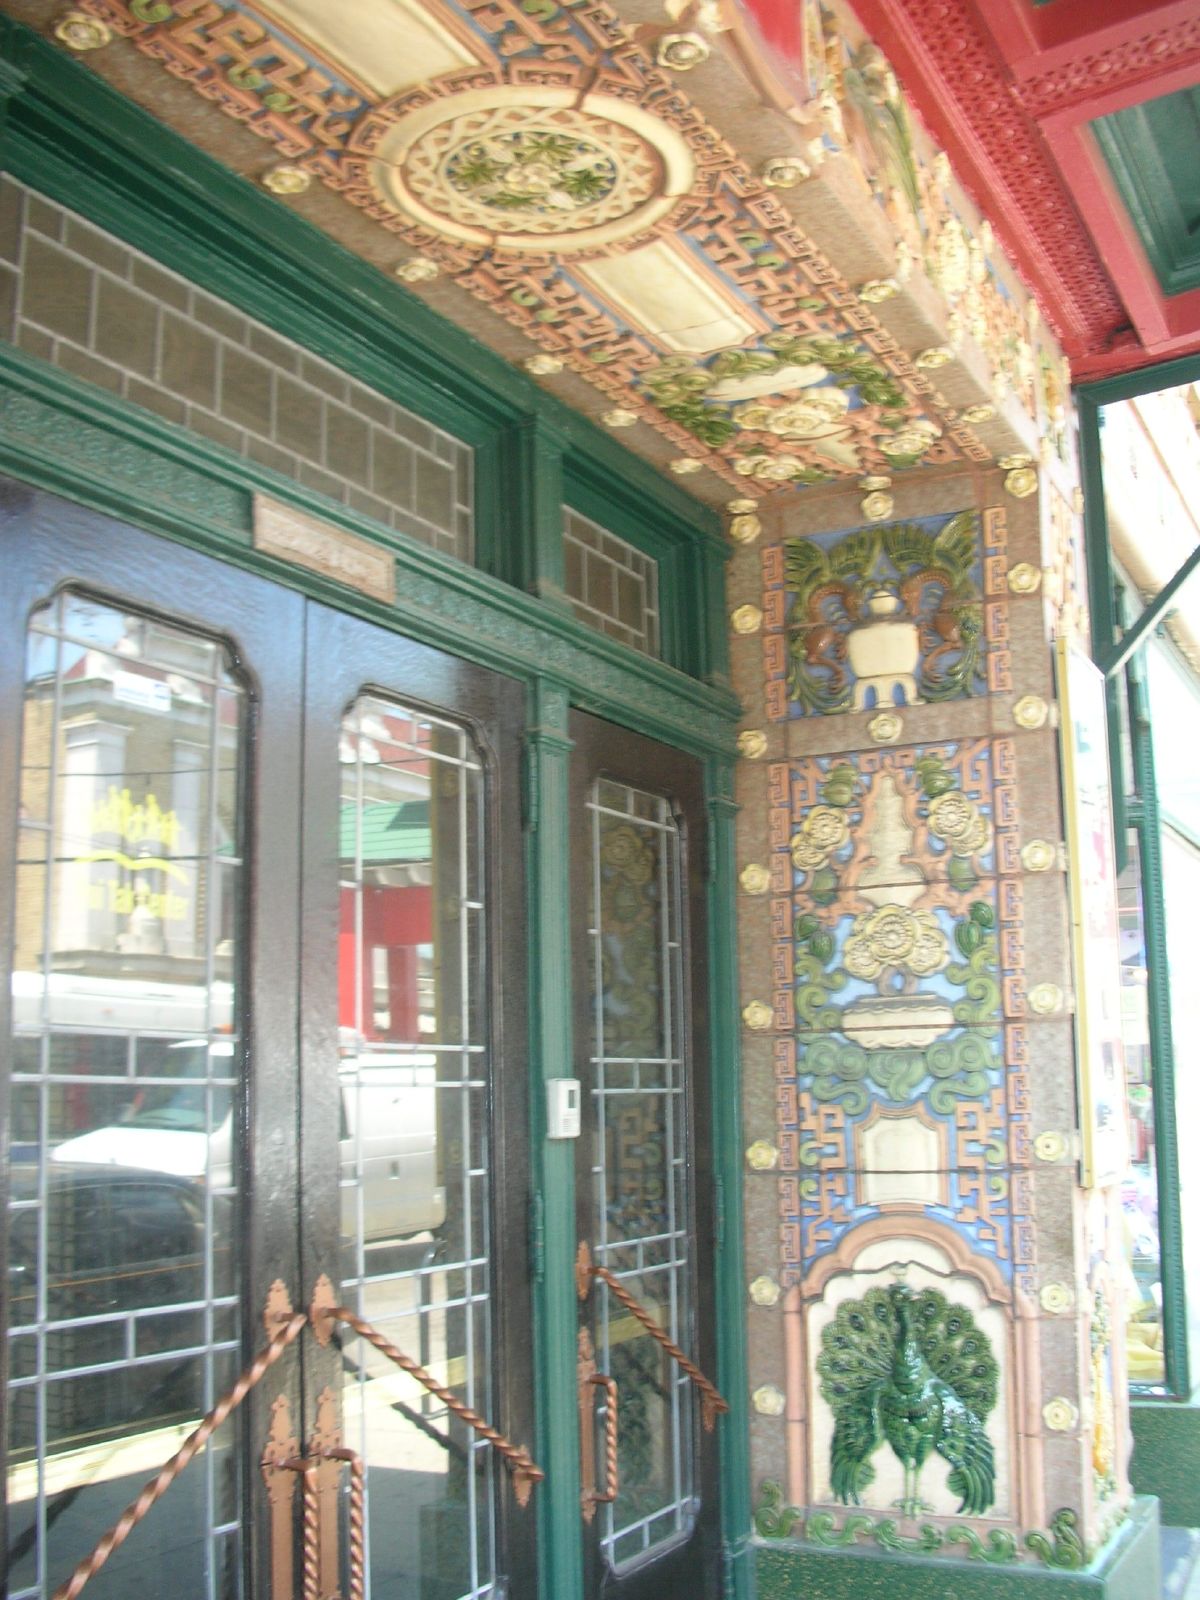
{"x":119,"y":1244}
{"x":387,"y":1136}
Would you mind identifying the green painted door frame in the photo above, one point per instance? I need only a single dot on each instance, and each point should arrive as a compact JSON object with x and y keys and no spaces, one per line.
{"x":68,"y":135}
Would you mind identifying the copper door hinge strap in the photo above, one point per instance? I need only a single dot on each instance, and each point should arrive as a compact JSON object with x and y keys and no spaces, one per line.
{"x":325,"y":1438}
{"x":585,"y":1371}
{"x":280,"y":1483}
{"x":711,"y":1400}
{"x":287,"y":1332}
{"x":525,"y":1471}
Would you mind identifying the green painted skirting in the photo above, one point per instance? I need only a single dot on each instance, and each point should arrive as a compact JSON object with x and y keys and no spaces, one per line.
{"x":1166,"y":1458}
{"x":1128,"y":1569}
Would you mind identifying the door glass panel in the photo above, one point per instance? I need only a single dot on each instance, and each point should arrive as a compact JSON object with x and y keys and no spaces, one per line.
{"x":123,"y":1219}
{"x":638,"y":1094}
{"x":413,"y":1075}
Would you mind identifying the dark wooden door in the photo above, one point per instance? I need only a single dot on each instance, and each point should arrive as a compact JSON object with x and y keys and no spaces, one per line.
{"x":644,"y":1179}
{"x":413,"y":1050}
{"x":264,"y":1027}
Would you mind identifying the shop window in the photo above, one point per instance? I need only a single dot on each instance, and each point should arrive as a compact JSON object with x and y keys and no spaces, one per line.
{"x":1142,"y":464}
{"x":1139,"y":1192}
{"x":1181,"y":895}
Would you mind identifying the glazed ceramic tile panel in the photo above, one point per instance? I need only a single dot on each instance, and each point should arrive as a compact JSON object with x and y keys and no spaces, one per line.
{"x":920,"y":1164}
{"x":886,"y":616}
{"x":548,"y":160}
{"x":898,"y":978}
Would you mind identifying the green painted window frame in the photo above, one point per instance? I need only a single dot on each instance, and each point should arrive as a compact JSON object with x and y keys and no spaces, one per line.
{"x":1136,"y":810}
{"x":652,"y":529}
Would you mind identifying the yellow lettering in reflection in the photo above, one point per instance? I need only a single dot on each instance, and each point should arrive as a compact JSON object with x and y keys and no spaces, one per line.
{"x":135,"y":821}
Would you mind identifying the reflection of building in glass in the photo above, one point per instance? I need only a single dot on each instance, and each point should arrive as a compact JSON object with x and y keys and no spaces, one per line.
{"x":142,"y":772}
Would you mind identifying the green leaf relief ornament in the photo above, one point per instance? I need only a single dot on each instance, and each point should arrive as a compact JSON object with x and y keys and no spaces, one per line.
{"x":1064,"y":1548}
{"x":773,"y":1519}
{"x":886,"y":609}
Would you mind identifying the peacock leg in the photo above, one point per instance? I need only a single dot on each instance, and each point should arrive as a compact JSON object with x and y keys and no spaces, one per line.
{"x":910,"y":1503}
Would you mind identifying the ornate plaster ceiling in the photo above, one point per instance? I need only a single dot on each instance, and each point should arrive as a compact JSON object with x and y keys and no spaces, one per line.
{"x":546,"y":159}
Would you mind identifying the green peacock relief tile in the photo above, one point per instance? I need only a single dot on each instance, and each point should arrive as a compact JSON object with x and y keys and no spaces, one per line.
{"x":911,"y":1372}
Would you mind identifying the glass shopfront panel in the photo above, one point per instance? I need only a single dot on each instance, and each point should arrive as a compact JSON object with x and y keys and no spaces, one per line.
{"x":123,"y":1224}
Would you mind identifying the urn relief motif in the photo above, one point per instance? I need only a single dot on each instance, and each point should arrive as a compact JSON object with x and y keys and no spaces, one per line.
{"x":883,"y":651}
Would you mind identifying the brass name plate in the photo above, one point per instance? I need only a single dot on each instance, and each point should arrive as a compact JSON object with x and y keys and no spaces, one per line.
{"x":282,"y":530}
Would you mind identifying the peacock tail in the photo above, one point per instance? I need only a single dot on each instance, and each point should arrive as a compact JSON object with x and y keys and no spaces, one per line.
{"x":956,"y":1350}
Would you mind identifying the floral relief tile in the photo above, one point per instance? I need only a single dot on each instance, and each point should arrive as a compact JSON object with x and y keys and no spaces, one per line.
{"x":901,"y":815}
{"x":1035,"y":764}
{"x":952,"y":723}
{"x":886,"y":972}
{"x":1062,"y":1357}
{"x":1027,"y":633}
{"x":1052,"y":1201}
{"x":895,"y":1109}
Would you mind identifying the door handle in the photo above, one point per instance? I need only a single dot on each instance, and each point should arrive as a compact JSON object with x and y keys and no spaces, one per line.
{"x":321,"y":1563}
{"x":324,"y":1313}
{"x":711,"y":1400}
{"x":589,"y":1381}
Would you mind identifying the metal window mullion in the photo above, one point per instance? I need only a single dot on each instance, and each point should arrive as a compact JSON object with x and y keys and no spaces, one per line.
{"x":357,"y":922}
{"x":669,"y":914}
{"x":156,"y":1357}
{"x":599,"y":1164}
{"x":49,"y":878}
{"x":360,"y":1020}
{"x":212,"y":906}
{"x":1148,"y":830}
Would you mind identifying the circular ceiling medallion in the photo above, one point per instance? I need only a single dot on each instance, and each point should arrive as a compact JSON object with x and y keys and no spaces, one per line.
{"x":520,"y":167}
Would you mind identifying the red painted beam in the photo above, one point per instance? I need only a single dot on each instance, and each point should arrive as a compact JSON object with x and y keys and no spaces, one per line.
{"x":1007,"y":89}
{"x":953,"y":72}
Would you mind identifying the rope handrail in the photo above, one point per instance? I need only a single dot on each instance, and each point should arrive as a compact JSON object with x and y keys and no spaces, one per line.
{"x":157,"y":1486}
{"x":711,"y":1399}
{"x":520,"y":1463}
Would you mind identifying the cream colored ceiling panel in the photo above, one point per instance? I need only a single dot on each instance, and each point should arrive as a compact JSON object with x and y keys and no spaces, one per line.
{"x":658,"y":288}
{"x":387,"y":45}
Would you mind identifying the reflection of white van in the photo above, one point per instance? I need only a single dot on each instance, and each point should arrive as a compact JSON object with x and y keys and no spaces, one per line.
{"x":388,"y":1140}
{"x":389,"y":1143}
{"x":388,"y":1137}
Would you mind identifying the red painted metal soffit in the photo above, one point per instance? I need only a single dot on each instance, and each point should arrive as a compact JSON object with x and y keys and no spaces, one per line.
{"x":1009,"y":89}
